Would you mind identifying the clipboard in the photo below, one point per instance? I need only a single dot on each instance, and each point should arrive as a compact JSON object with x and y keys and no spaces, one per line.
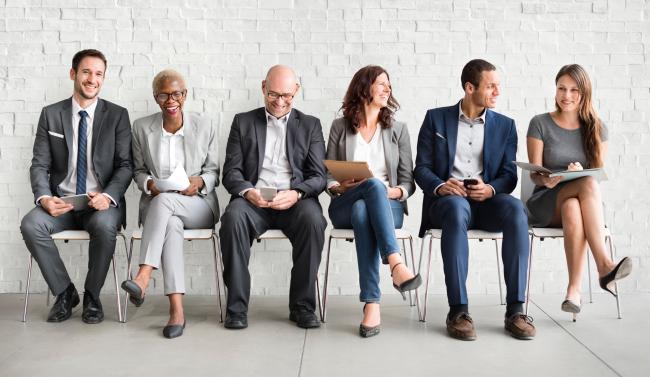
{"x":79,"y":202}
{"x":346,"y":170}
{"x":567,"y":175}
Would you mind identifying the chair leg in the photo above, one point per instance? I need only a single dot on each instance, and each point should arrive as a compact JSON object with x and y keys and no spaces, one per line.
{"x":413,"y":267}
{"x":530,"y":262}
{"x":591,"y":297}
{"x":423,"y":316}
{"x":496,"y":248}
{"x":117,"y":290}
{"x":610,"y":243}
{"x":406,"y":263}
{"x":216,"y":272}
{"x":320,"y":305}
{"x":326,"y":279}
{"x":29,"y":277}
{"x":129,"y":276}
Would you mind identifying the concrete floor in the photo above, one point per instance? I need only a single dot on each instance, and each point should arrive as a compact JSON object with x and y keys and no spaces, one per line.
{"x":598,"y":344}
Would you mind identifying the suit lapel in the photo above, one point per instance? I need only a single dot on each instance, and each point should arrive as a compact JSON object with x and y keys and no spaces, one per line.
{"x":387,"y":140}
{"x":489,"y":140}
{"x":349,"y":142}
{"x":153,"y":141}
{"x":100,"y":111}
{"x":260,"y":134}
{"x":292,"y":128}
{"x":66,"y":122}
{"x":189,"y":141}
{"x":451,"y":123}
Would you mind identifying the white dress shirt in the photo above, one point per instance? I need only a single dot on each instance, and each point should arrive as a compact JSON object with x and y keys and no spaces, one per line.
{"x":171,"y":153}
{"x":275,"y":171}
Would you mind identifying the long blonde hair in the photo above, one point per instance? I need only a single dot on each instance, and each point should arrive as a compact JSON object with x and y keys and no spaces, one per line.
{"x":590,"y":124}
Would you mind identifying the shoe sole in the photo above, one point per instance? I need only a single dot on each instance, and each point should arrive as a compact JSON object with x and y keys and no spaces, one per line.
{"x":135,"y":297}
{"x":459,"y":336}
{"x":623,"y":272}
{"x":520,"y":337}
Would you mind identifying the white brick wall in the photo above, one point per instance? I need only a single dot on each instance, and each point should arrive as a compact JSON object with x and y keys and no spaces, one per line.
{"x":224,"y":48}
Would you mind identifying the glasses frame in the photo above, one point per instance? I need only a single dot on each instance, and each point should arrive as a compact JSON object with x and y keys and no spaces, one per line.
{"x":176,"y":96}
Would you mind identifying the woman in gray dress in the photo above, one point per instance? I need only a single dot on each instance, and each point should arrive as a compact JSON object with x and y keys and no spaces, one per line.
{"x":572,"y":137}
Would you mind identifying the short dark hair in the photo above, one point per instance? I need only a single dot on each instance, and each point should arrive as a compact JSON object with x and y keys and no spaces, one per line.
{"x":472,"y":72}
{"x":79,"y":56}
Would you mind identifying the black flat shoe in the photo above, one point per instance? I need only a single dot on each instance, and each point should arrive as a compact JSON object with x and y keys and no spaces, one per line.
{"x":62,"y":308}
{"x":173,"y":331}
{"x":134,"y":291}
{"x":368,"y":331}
{"x":407,"y":285}
{"x":93,"y":312}
{"x":622,"y":269}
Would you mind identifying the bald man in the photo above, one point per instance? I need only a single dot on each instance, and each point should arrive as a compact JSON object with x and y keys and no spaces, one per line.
{"x":274,"y":147}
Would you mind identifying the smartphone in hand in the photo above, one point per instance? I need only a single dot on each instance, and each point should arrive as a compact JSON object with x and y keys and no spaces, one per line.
{"x":268,"y":193}
{"x":470,"y":181}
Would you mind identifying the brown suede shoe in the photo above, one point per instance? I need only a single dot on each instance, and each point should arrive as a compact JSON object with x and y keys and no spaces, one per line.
{"x":461,"y":326}
{"x":520,"y":326}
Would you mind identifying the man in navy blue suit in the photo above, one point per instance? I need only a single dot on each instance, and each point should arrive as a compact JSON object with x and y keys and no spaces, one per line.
{"x":464,"y":166}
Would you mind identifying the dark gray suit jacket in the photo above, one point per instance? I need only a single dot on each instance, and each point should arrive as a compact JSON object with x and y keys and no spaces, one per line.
{"x":245,"y":152}
{"x":397,"y":152}
{"x":201,"y":155}
{"x":111,"y":151}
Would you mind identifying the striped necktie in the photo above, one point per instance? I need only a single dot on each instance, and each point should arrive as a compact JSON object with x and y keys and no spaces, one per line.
{"x":81,"y":153}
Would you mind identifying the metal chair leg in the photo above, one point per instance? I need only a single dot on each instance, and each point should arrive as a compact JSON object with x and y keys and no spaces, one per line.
{"x":320,"y":305}
{"x":327,"y":271}
{"x":406,"y":263}
{"x":591,"y":297}
{"x":610,"y":242}
{"x":413,"y":267}
{"x":117,"y":291}
{"x":496,"y":248}
{"x":530,"y":262}
{"x":29,"y":277}
{"x":216,"y":273}
{"x":423,"y":315}
{"x":129,"y":276}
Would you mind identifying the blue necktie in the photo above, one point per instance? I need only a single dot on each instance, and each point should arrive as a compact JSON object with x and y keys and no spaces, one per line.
{"x":81,"y":153}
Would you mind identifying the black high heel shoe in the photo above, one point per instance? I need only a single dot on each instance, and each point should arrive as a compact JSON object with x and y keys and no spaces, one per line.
{"x":368,"y":331}
{"x":622,"y":269}
{"x":407,"y":285}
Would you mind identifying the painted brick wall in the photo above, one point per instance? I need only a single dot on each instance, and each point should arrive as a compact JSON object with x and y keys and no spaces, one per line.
{"x":224,"y":48}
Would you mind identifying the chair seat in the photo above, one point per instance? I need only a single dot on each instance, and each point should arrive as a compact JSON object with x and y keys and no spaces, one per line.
{"x":188,"y":234}
{"x":473,"y":234}
{"x":74,"y":235}
{"x":272,"y":234}
{"x":555,"y":232}
{"x":348,"y":234}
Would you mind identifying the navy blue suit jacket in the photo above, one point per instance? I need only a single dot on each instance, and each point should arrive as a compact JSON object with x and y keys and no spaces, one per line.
{"x":437,"y":150}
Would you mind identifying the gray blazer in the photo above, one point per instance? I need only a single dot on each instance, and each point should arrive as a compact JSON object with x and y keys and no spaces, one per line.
{"x":397,"y":151}
{"x":201,"y":156}
{"x":111,"y":152}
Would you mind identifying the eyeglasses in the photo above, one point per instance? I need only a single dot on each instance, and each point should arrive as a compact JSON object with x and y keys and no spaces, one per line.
{"x":163,"y":97}
{"x":285,"y":96}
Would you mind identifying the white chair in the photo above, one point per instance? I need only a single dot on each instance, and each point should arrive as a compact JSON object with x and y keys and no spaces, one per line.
{"x":348,"y":235}
{"x":472,"y":234}
{"x":527,"y":187}
{"x":66,"y":236}
{"x":273,"y":234}
{"x":188,"y":235}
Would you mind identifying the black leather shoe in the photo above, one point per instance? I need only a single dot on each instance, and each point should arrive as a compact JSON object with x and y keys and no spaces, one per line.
{"x":173,"y":331}
{"x":304,"y":318}
{"x":236,"y":321}
{"x":622,"y":269}
{"x":62,"y":308}
{"x":93,"y":312}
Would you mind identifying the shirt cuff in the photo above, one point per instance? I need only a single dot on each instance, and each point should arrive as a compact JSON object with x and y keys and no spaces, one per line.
{"x":435,"y":190}
{"x":494,"y":192}
{"x":146,"y":185}
{"x":405,"y":194}
{"x":243,"y":192}
{"x":38,"y":201}
{"x":114,"y":203}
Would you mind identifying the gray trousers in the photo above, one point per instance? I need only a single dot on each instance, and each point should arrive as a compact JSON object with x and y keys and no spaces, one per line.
{"x":162,"y":236}
{"x":38,"y":225}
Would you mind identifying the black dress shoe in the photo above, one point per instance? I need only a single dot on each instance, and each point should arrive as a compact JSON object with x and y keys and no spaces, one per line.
{"x":236,"y":321}
{"x":173,"y":331}
{"x":62,"y":308}
{"x":304,"y":318}
{"x":93,"y":312}
{"x":134,"y":291}
{"x":622,"y":269}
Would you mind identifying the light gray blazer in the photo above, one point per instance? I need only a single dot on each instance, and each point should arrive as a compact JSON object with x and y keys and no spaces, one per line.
{"x":201,"y":155}
{"x":397,"y":151}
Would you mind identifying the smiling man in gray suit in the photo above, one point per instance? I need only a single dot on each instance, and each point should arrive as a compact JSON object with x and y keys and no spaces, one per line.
{"x":279,"y":147}
{"x":82,"y":146}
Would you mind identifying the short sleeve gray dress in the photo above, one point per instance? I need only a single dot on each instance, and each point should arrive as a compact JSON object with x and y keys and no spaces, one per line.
{"x":561,"y":147}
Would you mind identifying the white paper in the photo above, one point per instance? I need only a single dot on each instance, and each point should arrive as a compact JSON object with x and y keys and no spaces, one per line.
{"x":178,"y":181}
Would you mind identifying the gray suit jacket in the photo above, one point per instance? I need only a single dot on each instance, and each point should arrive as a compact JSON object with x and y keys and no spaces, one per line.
{"x":245,"y":152}
{"x":111,"y":152}
{"x":397,"y":151}
{"x":201,"y":156}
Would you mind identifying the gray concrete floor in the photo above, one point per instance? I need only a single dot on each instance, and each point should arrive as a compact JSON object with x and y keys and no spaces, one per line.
{"x":598,"y":344}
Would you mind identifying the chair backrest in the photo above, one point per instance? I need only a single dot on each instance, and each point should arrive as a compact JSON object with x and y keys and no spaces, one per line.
{"x":527,"y":186}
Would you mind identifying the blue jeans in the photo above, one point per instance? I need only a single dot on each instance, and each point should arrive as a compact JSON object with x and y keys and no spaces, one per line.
{"x":373,"y":217}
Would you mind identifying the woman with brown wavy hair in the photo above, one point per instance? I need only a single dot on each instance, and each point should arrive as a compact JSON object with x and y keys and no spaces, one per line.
{"x":572,"y":137}
{"x":373,"y":207}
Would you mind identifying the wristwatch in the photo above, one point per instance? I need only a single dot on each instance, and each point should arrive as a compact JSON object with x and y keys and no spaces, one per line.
{"x":300,"y":194}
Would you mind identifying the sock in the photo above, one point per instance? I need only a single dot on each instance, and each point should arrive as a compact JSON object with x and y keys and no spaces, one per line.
{"x":513,"y":308}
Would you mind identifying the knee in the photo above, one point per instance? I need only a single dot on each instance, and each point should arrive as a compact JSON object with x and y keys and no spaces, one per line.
{"x":571,"y":215}
{"x":374,"y":185}
{"x":312,"y":219}
{"x":515,"y":212}
{"x":589,"y":186}
{"x":29,"y":226}
{"x":456,"y":213}
{"x":359,"y":214}
{"x":174,"y":224}
{"x":101,"y":225}
{"x":162,"y":200}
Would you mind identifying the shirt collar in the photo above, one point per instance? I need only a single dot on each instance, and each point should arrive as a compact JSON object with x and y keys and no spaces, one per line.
{"x":462,"y":116}
{"x":76,"y":108}
{"x":180,"y":132}
{"x":283,"y":119}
